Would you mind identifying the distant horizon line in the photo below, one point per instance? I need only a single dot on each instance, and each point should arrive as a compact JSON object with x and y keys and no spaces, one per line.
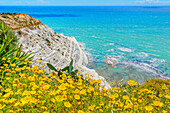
{"x":93,"y":6}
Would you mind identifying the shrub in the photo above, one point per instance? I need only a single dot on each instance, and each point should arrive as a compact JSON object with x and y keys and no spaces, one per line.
{"x":9,"y":49}
{"x":156,"y":85}
{"x":4,"y":31}
{"x":5,"y":16}
{"x":29,"y":90}
{"x":67,"y":69}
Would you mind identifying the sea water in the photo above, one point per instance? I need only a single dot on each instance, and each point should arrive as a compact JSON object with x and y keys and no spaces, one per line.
{"x":136,"y":39}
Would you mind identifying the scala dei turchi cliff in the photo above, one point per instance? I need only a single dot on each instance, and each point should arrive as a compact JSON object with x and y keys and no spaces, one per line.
{"x":47,"y":45}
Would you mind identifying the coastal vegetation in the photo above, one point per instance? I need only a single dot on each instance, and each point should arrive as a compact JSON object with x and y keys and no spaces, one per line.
{"x":9,"y":49}
{"x":28,"y":89}
{"x":18,"y":21}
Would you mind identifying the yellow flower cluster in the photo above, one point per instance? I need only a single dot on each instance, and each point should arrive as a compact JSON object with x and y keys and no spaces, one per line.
{"x":28,"y":90}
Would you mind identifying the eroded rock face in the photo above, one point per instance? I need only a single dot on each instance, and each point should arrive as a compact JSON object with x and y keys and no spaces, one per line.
{"x":56,"y":49}
{"x":53,"y":48}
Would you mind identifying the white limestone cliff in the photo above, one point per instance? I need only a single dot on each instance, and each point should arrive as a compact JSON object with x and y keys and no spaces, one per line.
{"x":55,"y":49}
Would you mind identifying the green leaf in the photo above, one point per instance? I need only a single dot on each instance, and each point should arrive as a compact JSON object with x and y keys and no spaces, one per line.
{"x":70,"y":66}
{"x":8,"y":53}
{"x":25,"y":57}
{"x":31,"y":57}
{"x":6,"y":29}
{"x":59,"y":74}
{"x":2,"y":48}
{"x":3,"y":26}
{"x":76,"y":71}
{"x":19,"y":51}
{"x":51,"y":67}
{"x":66,"y":68}
{"x":73,"y":73}
{"x":16,"y":52}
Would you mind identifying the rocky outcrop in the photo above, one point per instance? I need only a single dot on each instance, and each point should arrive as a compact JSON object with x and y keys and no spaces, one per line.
{"x":18,"y":21}
{"x":54,"y":48}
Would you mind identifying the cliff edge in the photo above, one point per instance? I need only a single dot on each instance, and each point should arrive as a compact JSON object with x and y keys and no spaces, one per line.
{"x":47,"y":45}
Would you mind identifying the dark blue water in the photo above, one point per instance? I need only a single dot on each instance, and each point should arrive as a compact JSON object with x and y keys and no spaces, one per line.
{"x":138,"y":38}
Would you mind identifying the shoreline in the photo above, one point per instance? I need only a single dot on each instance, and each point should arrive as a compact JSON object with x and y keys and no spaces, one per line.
{"x":113,"y":63}
{"x":124,"y":74}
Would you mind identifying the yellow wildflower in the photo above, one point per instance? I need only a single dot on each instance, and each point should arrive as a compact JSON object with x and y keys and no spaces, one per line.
{"x":30,"y":62}
{"x":11,"y":111}
{"x":13,"y":65}
{"x":132,"y":82}
{"x":7,"y":95}
{"x":99,"y":81}
{"x":164,"y":111}
{"x":126,"y":97}
{"x":100,"y":110}
{"x":25,"y":63}
{"x":157,"y":103}
{"x":1,"y":107}
{"x":116,"y":95}
{"x":19,"y":110}
{"x":101,"y":104}
{"x":8,"y":61}
{"x":80,"y":111}
{"x":39,"y":61}
{"x":77,"y":97}
{"x":62,"y":87}
{"x":7,"y":74}
{"x":149,"y":108}
{"x":116,"y":89}
{"x":64,"y":97}
{"x":6,"y":65}
{"x":44,"y":108}
{"x":16,"y":58}
{"x":67,"y":104}
{"x":46,"y":87}
{"x":167,"y":96}
{"x":3,"y":59}
{"x":53,"y":100}
{"x":91,"y":108}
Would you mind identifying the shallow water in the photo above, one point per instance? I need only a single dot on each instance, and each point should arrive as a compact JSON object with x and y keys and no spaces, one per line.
{"x":137,"y":38}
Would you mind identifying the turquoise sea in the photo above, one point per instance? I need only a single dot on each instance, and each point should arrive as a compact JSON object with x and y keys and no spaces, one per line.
{"x":136,"y":38}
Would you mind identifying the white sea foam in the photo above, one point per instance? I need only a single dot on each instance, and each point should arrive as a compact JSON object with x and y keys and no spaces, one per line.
{"x":112,"y":59}
{"x":111,"y":44}
{"x":156,"y":62}
{"x":142,"y":54}
{"x":125,"y":49}
{"x":110,"y":50}
{"x":147,"y":68}
{"x":85,"y":49}
{"x":94,"y":36}
{"x":160,"y":60}
{"x":143,"y":66}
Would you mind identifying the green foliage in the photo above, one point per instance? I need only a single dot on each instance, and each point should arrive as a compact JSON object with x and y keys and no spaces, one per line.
{"x":5,"y":16}
{"x":51,"y":67}
{"x":156,"y":85}
{"x":68,"y":69}
{"x":4,"y":31}
{"x":28,"y":90}
{"x":9,"y":49}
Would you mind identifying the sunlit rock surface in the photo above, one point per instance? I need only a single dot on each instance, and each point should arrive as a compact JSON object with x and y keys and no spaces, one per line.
{"x":49,"y":46}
